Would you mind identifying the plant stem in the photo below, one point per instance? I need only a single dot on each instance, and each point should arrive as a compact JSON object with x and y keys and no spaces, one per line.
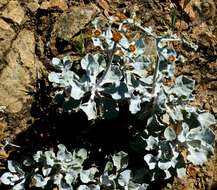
{"x":110,"y":56}
{"x":155,"y":74}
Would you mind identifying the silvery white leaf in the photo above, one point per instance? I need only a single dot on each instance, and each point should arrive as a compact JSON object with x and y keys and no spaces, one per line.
{"x":94,"y":187}
{"x":46,"y":171}
{"x":124,"y":178}
{"x":124,"y":42}
{"x":40,"y":181}
{"x":89,"y":108}
{"x":50,"y":157}
{"x":57,"y":179}
{"x":117,"y":90}
{"x":169,"y":134}
{"x":181,"y":172}
{"x":105,"y":180}
{"x":70,"y":178}
{"x":93,"y":65}
{"x":154,"y":125}
{"x":108,"y":166}
{"x":77,"y":91}
{"x":56,"y":62}
{"x":182,"y":137}
{"x":152,"y":142}
{"x":39,"y":155}
{"x":20,"y":185}
{"x":134,"y":106}
{"x":120,"y":160}
{"x":150,"y":160}
{"x":89,"y":187}
{"x":87,"y":176}
{"x":83,"y":187}
{"x":9,"y":179}
{"x":28,"y":162}
{"x":164,"y":165}
{"x":197,"y":157}
{"x":97,"y":42}
{"x":183,"y":86}
{"x":54,"y":77}
{"x":63,"y":154}
{"x":206,"y":119}
{"x":168,"y":174}
{"x":136,"y":186}
{"x":113,"y":75}
{"x":82,"y":153}
{"x":64,"y":186}
{"x":14,"y":167}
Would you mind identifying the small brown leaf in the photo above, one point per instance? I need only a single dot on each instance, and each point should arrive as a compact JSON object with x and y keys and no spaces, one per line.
{"x":171,"y":58}
{"x":132,"y":48}
{"x":192,"y":171}
{"x":120,"y":16}
{"x":116,"y":36}
{"x":103,"y":4}
{"x":97,"y":32}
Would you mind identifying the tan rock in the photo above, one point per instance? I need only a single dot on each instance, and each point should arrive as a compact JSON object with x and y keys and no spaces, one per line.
{"x":6,"y":36}
{"x":14,"y":12}
{"x":188,"y":8}
{"x":69,"y":24}
{"x":33,"y":6}
{"x":16,"y":78}
{"x":61,"y":4}
{"x":3,"y":2}
{"x":25,"y":46}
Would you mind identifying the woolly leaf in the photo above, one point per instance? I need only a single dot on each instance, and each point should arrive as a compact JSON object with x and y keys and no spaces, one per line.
{"x":39,"y":180}
{"x":89,"y":108}
{"x":124,"y":178}
{"x":120,"y":160}
{"x":169,"y":134}
{"x":87,"y":176}
{"x":9,"y":179}
{"x":20,"y":185}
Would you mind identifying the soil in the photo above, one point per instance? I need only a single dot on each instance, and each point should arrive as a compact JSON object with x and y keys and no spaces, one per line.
{"x":32,"y":32}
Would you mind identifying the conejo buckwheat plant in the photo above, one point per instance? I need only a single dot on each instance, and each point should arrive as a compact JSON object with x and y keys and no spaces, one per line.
{"x":130,"y":67}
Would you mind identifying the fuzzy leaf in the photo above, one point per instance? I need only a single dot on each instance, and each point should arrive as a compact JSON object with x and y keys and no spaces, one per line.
{"x":82,"y":153}
{"x":50,"y":157}
{"x":40,"y":181}
{"x":20,"y":185}
{"x":14,"y":167}
{"x":150,"y":160}
{"x":206,"y":119}
{"x":120,"y":160}
{"x":89,"y":108}
{"x":169,"y":134}
{"x":124,"y":178}
{"x":9,"y":179}
{"x":63,"y":154}
{"x":88,"y":175}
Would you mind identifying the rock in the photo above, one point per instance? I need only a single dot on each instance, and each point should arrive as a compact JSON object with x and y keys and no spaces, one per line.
{"x":188,"y":8}
{"x":25,"y":46}
{"x":181,"y":25}
{"x":17,"y":77}
{"x":3,"y":3}
{"x":14,"y":12}
{"x":69,"y":24}
{"x":6,"y":36}
{"x":33,"y":6}
{"x":61,"y":4}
